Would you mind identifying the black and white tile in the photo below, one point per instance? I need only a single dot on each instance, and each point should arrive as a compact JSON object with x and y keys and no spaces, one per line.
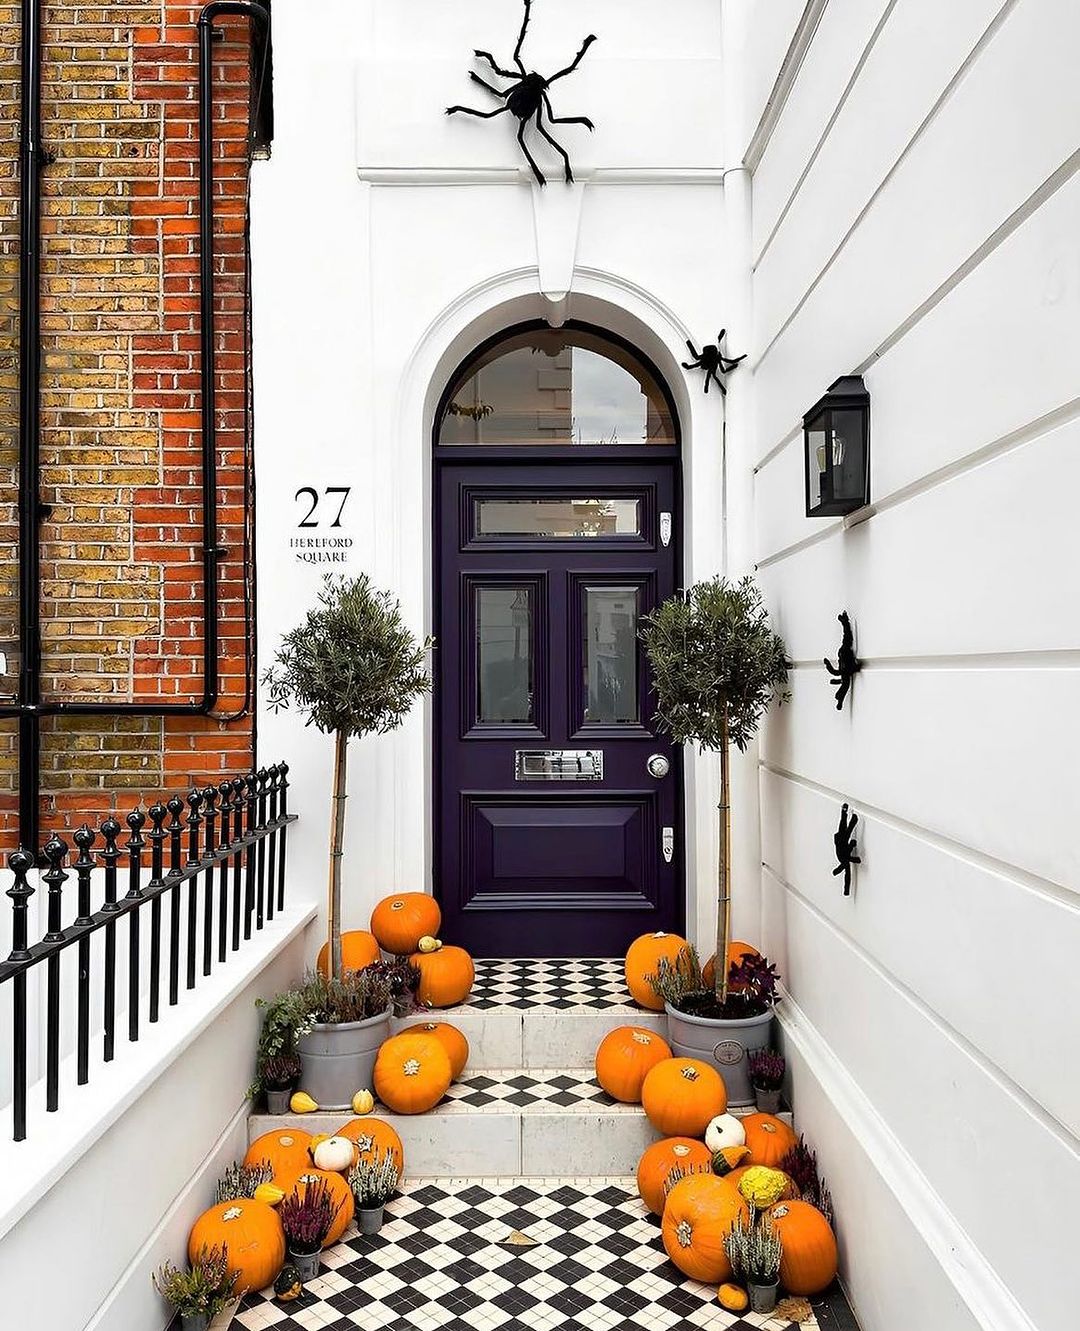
{"x":443,"y":1262}
{"x":535,"y":1090}
{"x":557,"y":983}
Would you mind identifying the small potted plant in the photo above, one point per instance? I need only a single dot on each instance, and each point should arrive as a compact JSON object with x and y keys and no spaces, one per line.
{"x":754,"y":1251}
{"x":766,"y":1077}
{"x":280,"y":1075}
{"x":199,"y":1294}
{"x":354,"y":668}
{"x":373,"y":1182}
{"x":306,"y":1218}
{"x":402,"y":978}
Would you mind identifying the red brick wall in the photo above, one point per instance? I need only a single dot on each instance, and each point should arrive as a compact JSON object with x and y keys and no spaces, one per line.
{"x":121,"y":552}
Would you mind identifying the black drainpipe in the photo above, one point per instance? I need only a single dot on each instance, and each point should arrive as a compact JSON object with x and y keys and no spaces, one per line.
{"x":30,"y":708}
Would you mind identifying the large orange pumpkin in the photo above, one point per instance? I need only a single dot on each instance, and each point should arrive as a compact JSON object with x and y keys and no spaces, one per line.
{"x":660,"y":1159}
{"x":642,"y":959}
{"x":808,"y":1262}
{"x":624,"y":1057}
{"x":682,"y":1095}
{"x":341,"y":1193}
{"x":412,"y":1073}
{"x":252,"y":1233}
{"x":373,"y":1138}
{"x":735,"y":953}
{"x":286,"y":1149}
{"x":399,"y":922}
{"x":451,"y":1039}
{"x":768,"y":1139}
{"x":446,"y":976}
{"x":358,"y":949}
{"x":699,"y":1212}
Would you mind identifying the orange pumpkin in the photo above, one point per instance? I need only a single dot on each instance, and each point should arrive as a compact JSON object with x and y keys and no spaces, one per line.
{"x":358,"y":949}
{"x":624,"y":1057}
{"x":412,"y":1073}
{"x":252,"y":1234}
{"x":373,"y":1138}
{"x":399,"y":922}
{"x":682,"y":1095}
{"x":735,"y":953}
{"x":341,"y":1193}
{"x":286,"y":1149}
{"x":808,"y":1262}
{"x":660,"y":1159}
{"x":768,"y":1139}
{"x":700,"y":1211}
{"x":642,"y":959}
{"x":446,"y":976}
{"x":451,"y":1039}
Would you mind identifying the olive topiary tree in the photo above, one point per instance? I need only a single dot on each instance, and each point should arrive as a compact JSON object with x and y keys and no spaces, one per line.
{"x":716,"y":667}
{"x":353,"y":668}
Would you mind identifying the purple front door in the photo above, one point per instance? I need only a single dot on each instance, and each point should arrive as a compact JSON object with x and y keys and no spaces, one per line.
{"x":558,"y":811}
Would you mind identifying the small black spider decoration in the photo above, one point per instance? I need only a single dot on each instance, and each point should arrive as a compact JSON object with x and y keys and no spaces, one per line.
{"x":527,"y":98}
{"x":847,"y":665}
{"x":844,"y":842}
{"x":712,"y":360}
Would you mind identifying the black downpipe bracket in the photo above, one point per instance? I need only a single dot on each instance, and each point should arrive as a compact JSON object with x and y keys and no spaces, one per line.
{"x":30,"y":708}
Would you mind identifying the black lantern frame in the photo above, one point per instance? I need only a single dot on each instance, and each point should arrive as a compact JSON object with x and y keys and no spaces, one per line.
{"x":836,"y":447}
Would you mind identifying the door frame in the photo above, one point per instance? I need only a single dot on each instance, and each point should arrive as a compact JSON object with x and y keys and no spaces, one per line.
{"x":568,"y":456}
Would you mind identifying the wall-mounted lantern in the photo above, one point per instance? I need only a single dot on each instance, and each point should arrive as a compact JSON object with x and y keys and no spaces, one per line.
{"x":836,"y":435}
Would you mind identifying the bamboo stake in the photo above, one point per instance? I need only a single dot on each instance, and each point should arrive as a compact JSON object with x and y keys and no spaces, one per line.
{"x":723,"y":914}
{"x":337,"y":837}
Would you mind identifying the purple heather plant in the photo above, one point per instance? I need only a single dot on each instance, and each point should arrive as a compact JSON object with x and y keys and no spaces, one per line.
{"x":306,"y":1218}
{"x":281,"y":1072}
{"x":800,"y":1165}
{"x":766,"y":1069}
{"x":400,"y":977}
{"x":752,"y":983}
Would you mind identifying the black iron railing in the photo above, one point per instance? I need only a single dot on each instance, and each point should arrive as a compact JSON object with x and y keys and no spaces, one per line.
{"x":215,"y":861}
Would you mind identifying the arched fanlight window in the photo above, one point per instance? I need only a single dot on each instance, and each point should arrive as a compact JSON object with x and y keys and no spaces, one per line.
{"x":556,"y":386}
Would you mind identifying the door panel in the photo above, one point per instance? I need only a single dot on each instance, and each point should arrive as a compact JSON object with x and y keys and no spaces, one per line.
{"x":549,"y":828}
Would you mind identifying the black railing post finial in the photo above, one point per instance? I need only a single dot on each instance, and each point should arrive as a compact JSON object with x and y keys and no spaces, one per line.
{"x":55,"y":851}
{"x":175,"y":806}
{"x":84,"y":864}
{"x":209,"y":799}
{"x":135,"y":845}
{"x":157,"y":836}
{"x":20,"y":862}
{"x":110,"y":830}
{"x":84,"y":838}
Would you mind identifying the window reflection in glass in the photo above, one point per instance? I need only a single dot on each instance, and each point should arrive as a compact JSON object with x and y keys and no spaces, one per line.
{"x":557,"y":518}
{"x":610,"y":655}
{"x":556,"y":386}
{"x":504,"y":666}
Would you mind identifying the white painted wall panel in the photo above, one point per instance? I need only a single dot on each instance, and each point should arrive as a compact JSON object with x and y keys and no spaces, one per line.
{"x":980,"y":1147}
{"x":945,"y":926}
{"x":770,"y":26}
{"x":983,"y":757}
{"x":981,"y":157}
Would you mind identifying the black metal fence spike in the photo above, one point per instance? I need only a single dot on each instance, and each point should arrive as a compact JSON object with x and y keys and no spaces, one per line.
{"x":20,"y":862}
{"x":55,"y":851}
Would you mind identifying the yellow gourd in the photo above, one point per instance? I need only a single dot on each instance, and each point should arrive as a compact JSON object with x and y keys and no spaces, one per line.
{"x":302,"y":1103}
{"x":428,"y":944}
{"x":363,"y":1102}
{"x":731,"y":1297}
{"x":269,"y":1193}
{"x":762,"y":1186}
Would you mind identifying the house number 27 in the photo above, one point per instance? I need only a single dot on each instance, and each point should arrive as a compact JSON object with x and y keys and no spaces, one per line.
{"x":310,"y":520}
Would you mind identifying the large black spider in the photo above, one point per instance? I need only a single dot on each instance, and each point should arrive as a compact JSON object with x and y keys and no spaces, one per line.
{"x":847,"y":665}
{"x":713,"y":361}
{"x":527,"y":98}
{"x":844,"y":844}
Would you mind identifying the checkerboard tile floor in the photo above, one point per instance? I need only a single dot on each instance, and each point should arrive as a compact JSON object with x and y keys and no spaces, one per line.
{"x":536,"y":1091}
{"x":550,"y":983}
{"x":442,"y":1263}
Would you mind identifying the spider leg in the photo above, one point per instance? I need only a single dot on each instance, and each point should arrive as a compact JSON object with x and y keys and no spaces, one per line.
{"x":557,"y":146}
{"x":691,"y":365}
{"x":521,"y":37}
{"x":565,"y":120}
{"x":727,"y":363}
{"x":503,"y":73}
{"x":693,"y":350}
{"x":576,"y":60}
{"x":489,"y":86}
{"x":540,"y":178}
{"x":480,"y":115}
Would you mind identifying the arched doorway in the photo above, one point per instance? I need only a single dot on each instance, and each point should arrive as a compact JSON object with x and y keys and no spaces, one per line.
{"x":557,"y":810}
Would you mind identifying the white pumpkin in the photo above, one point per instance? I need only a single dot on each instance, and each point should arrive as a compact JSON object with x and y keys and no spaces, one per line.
{"x":335,"y":1153}
{"x":724,"y":1130}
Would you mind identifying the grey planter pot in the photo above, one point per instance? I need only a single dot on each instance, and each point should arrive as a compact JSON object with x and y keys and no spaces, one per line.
{"x":370,"y":1218}
{"x":194,"y":1322}
{"x":306,"y":1263}
{"x":723,"y":1044}
{"x":762,"y":1297}
{"x":277,"y":1102}
{"x":338,"y":1059}
{"x":768,"y":1102}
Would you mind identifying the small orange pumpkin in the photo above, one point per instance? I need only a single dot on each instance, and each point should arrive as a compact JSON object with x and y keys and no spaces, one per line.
{"x":657,"y":1162}
{"x":412,"y":1073}
{"x":735,"y":953}
{"x":373,"y":1138}
{"x":700,"y":1211}
{"x":399,"y":922}
{"x":681,"y":1096}
{"x":286,"y":1149}
{"x":768,"y":1139}
{"x":733,"y":1297}
{"x":808,"y":1262}
{"x":451,"y":1039}
{"x":252,"y":1234}
{"x":642,"y":958}
{"x":624,"y":1057}
{"x":446,"y":976}
{"x":341,"y":1193}
{"x":358,"y":949}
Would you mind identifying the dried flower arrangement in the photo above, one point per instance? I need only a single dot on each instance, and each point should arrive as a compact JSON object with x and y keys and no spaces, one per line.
{"x":241,"y":1180}
{"x":307,"y":1217}
{"x":203,"y":1290}
{"x":754,"y":1250}
{"x":373,"y":1180}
